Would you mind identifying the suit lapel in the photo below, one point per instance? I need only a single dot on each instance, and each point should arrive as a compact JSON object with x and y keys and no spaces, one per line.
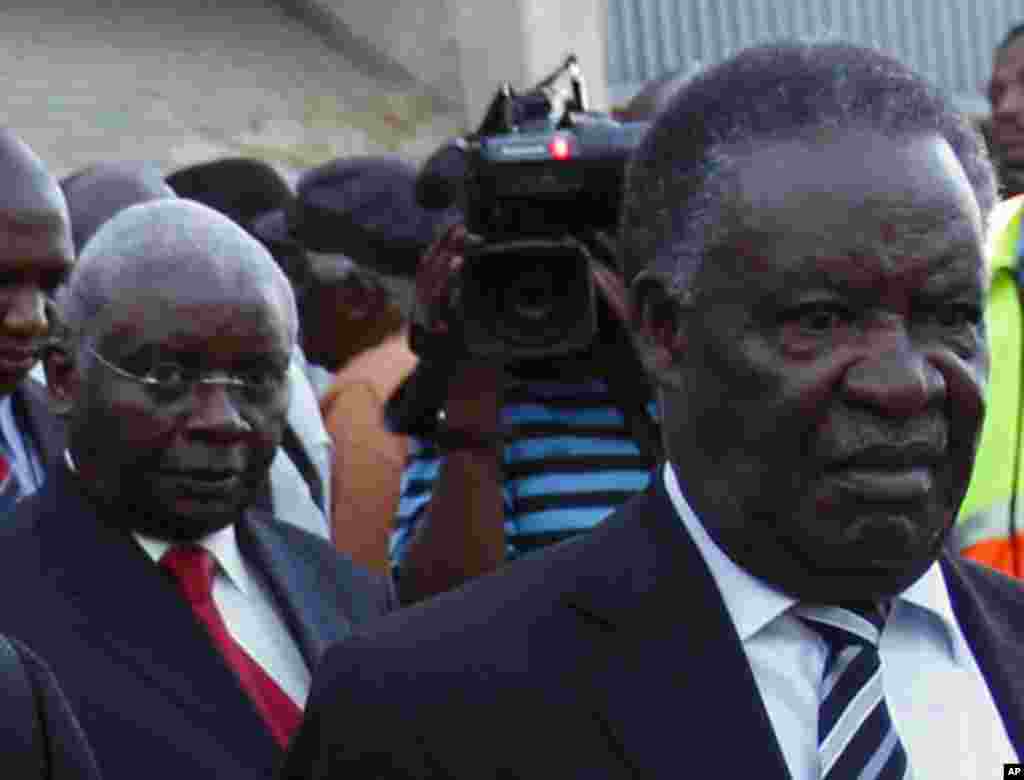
{"x":993,"y":631}
{"x":669,"y":679}
{"x":31,"y":405}
{"x":135,"y":616}
{"x":303,"y":591}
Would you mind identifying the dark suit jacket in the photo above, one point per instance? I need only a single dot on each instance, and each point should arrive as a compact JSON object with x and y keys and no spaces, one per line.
{"x":609,"y":656}
{"x":34,"y":416}
{"x":48,"y":743}
{"x":152,"y":693}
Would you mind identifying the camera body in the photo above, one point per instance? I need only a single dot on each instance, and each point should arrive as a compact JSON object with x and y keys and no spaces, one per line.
{"x":538,"y":178}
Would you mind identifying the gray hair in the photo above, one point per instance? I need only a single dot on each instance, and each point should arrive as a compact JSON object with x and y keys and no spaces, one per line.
{"x":672,"y":214}
{"x":154,"y":241}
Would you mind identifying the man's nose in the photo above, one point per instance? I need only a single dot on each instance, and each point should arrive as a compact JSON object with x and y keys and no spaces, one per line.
{"x":897,"y":380}
{"x":25,"y":312}
{"x":215,"y":413}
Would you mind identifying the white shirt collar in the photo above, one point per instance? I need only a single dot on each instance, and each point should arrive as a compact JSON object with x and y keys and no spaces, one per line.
{"x":222,"y":545}
{"x":753,"y":604}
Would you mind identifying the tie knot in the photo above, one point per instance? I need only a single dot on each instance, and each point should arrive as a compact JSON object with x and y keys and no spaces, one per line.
{"x":843,"y":626}
{"x":192,"y":567}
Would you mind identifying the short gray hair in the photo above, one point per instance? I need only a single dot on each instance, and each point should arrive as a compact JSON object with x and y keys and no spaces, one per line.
{"x":154,"y":241}
{"x":672,"y":212}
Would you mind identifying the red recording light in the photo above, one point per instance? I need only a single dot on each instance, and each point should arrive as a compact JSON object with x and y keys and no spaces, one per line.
{"x":559,"y":148}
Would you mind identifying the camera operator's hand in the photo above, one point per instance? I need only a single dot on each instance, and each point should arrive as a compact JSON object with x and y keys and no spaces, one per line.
{"x":437,"y":270}
{"x":474,"y":388}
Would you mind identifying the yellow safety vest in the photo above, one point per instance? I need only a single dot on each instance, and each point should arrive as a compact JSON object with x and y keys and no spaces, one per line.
{"x":990,"y":528}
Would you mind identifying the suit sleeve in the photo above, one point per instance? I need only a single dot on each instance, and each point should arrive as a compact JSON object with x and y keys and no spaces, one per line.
{"x":353,"y":729}
{"x":67,"y":750}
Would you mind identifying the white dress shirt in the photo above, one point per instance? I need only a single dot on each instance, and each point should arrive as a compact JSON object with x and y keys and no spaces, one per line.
{"x":939,"y":702}
{"x":247,"y":607}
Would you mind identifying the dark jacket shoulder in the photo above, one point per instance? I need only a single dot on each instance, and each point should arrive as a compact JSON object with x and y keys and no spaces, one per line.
{"x":58,"y":745}
{"x":366,"y":595}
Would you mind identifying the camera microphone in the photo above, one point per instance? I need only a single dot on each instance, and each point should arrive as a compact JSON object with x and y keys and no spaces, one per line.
{"x":440,"y":179}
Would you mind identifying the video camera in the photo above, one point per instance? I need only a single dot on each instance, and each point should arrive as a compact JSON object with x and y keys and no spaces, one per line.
{"x":540,"y":181}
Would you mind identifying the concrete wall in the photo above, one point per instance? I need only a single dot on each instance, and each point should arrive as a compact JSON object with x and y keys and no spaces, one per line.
{"x":464,"y":49}
{"x":295,"y":82}
{"x":187,"y":80}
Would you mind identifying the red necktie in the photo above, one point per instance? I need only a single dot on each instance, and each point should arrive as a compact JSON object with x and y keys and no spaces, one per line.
{"x":10,"y":486}
{"x":193,"y":568}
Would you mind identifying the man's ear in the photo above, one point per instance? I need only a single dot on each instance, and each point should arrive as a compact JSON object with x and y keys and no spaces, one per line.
{"x":659,"y":327}
{"x":62,"y":379}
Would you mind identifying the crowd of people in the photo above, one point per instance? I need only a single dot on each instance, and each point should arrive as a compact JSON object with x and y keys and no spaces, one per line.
{"x":727,"y":530}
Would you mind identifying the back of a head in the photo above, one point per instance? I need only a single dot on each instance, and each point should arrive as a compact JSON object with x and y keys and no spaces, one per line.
{"x":366,"y":208}
{"x":241,"y":188}
{"x":172,"y":243}
{"x":774,"y":92}
{"x":97,"y":193}
{"x":653,"y":96}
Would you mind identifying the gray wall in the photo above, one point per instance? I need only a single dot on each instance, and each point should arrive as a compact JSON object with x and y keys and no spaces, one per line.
{"x":177,"y":81}
{"x":949,"y":40}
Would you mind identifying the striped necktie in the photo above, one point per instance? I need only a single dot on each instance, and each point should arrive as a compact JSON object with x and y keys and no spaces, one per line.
{"x":856,"y":737}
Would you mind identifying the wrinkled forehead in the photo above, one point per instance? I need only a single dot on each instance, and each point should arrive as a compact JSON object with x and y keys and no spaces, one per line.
{"x":797,"y":206}
{"x":195,"y":309}
{"x":910,"y":188}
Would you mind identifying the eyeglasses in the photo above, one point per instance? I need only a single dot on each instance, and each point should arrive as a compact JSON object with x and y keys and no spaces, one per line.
{"x":172,"y":380}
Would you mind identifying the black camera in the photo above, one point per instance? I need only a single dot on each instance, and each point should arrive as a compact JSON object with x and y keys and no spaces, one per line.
{"x":539,"y":179}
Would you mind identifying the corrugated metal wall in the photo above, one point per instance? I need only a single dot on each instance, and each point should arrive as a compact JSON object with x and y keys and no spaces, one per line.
{"x":949,"y":40}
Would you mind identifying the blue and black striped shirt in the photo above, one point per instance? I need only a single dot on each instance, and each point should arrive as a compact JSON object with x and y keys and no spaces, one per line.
{"x":569,"y":460}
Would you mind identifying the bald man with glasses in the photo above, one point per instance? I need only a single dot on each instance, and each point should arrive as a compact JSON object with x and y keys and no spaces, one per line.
{"x":184,"y":620}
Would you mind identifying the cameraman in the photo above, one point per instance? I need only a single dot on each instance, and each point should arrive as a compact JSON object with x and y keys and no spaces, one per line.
{"x":537,"y":451}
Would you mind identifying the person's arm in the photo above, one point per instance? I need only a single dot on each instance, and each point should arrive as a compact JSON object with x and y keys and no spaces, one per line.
{"x":460,"y":534}
{"x":366,"y":473}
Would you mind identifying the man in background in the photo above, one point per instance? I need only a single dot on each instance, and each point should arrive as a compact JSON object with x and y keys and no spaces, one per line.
{"x":1005,"y":129}
{"x":36,"y":254}
{"x":363,"y":232}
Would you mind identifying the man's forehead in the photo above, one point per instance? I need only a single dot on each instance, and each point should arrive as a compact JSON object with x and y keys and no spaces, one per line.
{"x":1009,"y":63}
{"x":255,"y":322}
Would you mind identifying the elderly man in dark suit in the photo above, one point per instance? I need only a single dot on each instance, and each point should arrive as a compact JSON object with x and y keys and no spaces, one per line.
{"x":185,"y":622}
{"x":804,"y":227}
{"x":36,"y":254}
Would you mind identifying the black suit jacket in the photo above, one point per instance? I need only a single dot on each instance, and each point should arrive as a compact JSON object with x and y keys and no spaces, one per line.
{"x":152,"y":693}
{"x":31,"y":401}
{"x":609,"y":656}
{"x":47,"y":742}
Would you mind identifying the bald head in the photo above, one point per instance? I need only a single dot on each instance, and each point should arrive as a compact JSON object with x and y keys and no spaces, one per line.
{"x":27,"y":188}
{"x":182,"y":248}
{"x":100,"y":191}
{"x":35,"y":256}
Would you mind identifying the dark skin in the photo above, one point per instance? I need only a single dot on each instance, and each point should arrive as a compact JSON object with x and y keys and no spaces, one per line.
{"x":36,"y":254}
{"x":340,"y":319}
{"x":823,"y":393}
{"x":1006,"y":96}
{"x":180,"y":468}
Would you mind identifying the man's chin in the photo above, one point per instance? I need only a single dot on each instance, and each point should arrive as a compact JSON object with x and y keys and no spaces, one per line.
{"x":183,"y":528}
